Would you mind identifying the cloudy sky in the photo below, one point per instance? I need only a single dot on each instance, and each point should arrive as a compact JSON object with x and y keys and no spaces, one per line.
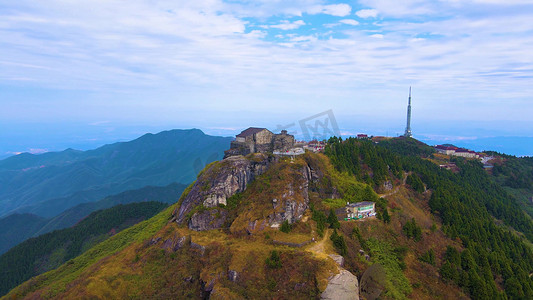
{"x":221,"y":65}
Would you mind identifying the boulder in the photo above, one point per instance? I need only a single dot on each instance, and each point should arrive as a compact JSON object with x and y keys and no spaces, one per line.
{"x":343,"y":286}
{"x":338,"y":259}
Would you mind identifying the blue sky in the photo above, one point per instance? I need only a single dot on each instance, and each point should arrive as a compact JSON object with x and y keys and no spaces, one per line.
{"x":113,"y":69}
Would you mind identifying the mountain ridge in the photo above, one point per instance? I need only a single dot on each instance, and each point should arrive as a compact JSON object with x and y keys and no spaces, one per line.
{"x":48,"y":183}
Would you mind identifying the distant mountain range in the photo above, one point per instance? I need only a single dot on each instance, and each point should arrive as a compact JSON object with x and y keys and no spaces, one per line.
{"x":47,"y":184}
{"x":16,"y":228}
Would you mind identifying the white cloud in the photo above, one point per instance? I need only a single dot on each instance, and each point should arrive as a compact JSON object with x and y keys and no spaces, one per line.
{"x":404,"y":7}
{"x":190,"y":55}
{"x":349,"y":22}
{"x":338,"y":10}
{"x":286,"y":25}
{"x":301,"y":38}
{"x":367,"y":13}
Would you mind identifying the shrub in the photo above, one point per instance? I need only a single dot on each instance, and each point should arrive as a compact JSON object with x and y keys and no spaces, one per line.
{"x":274,"y":261}
{"x":285,"y":226}
{"x":428,"y":257}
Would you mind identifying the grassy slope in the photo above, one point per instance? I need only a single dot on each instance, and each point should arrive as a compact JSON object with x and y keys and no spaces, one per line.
{"x":16,"y":228}
{"x":55,"y":281}
{"x":47,"y":252}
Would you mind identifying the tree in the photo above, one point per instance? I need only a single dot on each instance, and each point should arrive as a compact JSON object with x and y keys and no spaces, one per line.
{"x":412,"y":230}
{"x":428,"y":257}
{"x":333,"y":220}
{"x":385,"y":216}
{"x":339,"y":243}
{"x":285,"y":226}
{"x":274,"y":261}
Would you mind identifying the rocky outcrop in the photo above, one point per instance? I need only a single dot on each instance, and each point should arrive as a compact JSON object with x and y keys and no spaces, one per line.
{"x":339,"y":259}
{"x":233,"y":275}
{"x":175,"y":243}
{"x":216,"y":184}
{"x":294,"y":201}
{"x":342,"y":286}
{"x":209,"y":219}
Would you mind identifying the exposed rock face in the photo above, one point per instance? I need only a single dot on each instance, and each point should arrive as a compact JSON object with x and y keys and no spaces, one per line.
{"x":387,"y":186}
{"x":221,"y":181}
{"x":294,"y":202}
{"x":233,"y":275}
{"x":342,"y":286}
{"x":338,"y":259}
{"x":175,"y":243}
{"x":291,"y":206}
{"x":209,"y":219}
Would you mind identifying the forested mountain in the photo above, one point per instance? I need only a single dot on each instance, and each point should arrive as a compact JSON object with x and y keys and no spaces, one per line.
{"x":263,"y":226}
{"x":515,"y":174}
{"x":16,"y":228}
{"x":47,"y":184}
{"x":494,"y":262}
{"x":48,"y":251}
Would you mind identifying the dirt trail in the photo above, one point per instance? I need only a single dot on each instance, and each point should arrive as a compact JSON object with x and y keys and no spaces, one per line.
{"x":319,"y":247}
{"x":396,"y":189}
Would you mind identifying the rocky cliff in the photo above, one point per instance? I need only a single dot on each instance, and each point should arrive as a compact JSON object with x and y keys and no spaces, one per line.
{"x":281,"y":195}
{"x":215,"y":185}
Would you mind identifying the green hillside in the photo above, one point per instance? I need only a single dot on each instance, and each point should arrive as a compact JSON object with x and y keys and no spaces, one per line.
{"x":48,"y":184}
{"x":515,"y":174}
{"x":19,"y":227}
{"x":46,"y":252}
{"x":494,"y":263}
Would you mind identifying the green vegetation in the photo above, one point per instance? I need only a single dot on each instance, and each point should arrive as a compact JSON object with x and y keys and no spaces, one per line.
{"x":285,"y":227}
{"x":320,"y":218}
{"x":414,"y":181}
{"x":339,"y":243}
{"x":334,"y":203}
{"x":428,"y":257}
{"x":73,"y":177}
{"x":233,"y":201}
{"x":332,"y":220}
{"x":19,"y":227}
{"x":382,"y":211}
{"x":48,"y":251}
{"x":467,"y":202}
{"x":514,"y":172}
{"x":56,"y":280}
{"x":397,"y":285}
{"x":412,"y":230}
{"x":273,"y":261}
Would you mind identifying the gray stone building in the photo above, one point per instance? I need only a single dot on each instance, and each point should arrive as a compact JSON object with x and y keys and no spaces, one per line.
{"x":256,"y":139}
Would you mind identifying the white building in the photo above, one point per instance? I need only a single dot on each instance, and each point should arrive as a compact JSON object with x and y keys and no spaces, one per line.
{"x":360,"y":210}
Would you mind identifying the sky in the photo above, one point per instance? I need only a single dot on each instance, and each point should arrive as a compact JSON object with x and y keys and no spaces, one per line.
{"x":84,"y":73}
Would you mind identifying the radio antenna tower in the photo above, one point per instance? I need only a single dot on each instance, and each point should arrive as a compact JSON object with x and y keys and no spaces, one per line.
{"x":408,"y":132}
